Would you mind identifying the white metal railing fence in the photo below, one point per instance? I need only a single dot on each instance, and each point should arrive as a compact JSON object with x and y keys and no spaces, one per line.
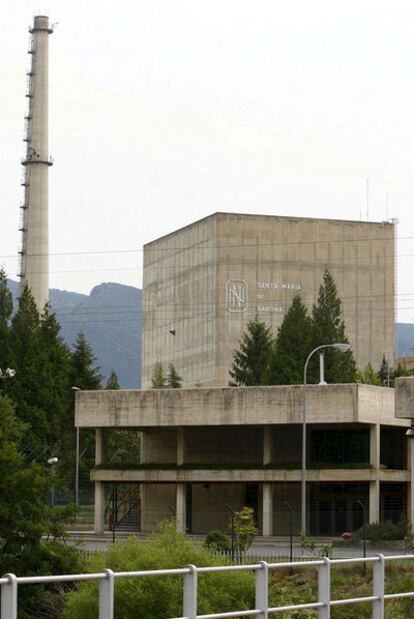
{"x":10,"y":583}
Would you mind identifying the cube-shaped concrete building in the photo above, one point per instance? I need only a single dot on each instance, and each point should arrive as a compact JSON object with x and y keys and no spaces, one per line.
{"x":204,"y":282}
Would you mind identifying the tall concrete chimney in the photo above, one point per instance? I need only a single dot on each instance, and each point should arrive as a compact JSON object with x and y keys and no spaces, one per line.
{"x":34,"y":250}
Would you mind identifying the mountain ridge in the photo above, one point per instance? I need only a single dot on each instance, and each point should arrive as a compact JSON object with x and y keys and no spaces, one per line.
{"x":110,"y":317}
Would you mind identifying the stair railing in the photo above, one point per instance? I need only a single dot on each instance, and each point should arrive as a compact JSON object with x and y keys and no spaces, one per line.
{"x":125,"y":505}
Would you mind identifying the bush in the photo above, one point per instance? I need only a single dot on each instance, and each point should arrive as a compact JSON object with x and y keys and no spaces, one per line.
{"x":377,"y":531}
{"x":218,"y":541}
{"x":150,"y":597}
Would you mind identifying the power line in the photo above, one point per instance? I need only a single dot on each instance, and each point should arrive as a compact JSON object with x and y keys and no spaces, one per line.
{"x":203,"y":247}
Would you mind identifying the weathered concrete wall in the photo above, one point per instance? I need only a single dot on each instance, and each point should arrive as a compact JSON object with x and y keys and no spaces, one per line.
{"x":234,"y":406}
{"x":245,"y":475}
{"x":222,"y":271}
{"x":159,"y":446}
{"x":404,"y":397}
{"x":208,"y":505}
{"x":155,"y":499}
{"x":179,"y":296}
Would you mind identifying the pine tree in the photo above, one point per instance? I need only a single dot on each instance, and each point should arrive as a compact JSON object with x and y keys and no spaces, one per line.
{"x":28,"y":389}
{"x":368,"y":376}
{"x":6,"y":310}
{"x":83,"y":373}
{"x":252,"y":360}
{"x":385,"y":372}
{"x":40,"y":388}
{"x":292,"y":346}
{"x":174,"y":381}
{"x":112,"y":382}
{"x":328,"y":328}
{"x":159,"y":380}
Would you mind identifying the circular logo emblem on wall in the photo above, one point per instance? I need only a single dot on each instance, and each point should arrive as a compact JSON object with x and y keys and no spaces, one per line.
{"x":236,"y":295}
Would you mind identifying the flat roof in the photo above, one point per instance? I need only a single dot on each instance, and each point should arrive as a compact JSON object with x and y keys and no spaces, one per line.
{"x":281,"y":217}
{"x":235,"y":406}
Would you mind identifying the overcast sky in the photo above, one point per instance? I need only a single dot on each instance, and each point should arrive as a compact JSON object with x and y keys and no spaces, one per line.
{"x":162,"y":112}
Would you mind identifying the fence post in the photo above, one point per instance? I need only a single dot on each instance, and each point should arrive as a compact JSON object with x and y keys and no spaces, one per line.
{"x":9,"y":597}
{"x":106,"y":595}
{"x":324,"y":586}
{"x":262,"y":587}
{"x":378,"y":588}
{"x":190,"y":593}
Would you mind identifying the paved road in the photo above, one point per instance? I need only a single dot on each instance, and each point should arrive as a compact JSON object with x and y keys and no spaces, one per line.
{"x":278,"y":549}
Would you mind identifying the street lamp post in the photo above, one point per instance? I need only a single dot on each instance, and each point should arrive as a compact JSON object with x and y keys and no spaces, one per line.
{"x":52,"y":461}
{"x":232,"y":511}
{"x":290,"y":508}
{"x":342,"y":347}
{"x":365,"y":519}
{"x":77,"y":460}
{"x":8,"y":373}
{"x":410,"y":436}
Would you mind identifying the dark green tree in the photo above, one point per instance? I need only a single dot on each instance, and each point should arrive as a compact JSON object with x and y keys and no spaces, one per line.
{"x":22,"y":490}
{"x":174,"y":380}
{"x":6,"y":310}
{"x":28,"y":356}
{"x":368,"y":376}
{"x":328,"y":327}
{"x":86,"y":376}
{"x":385,"y":372}
{"x":83,"y":373}
{"x":112,"y":382}
{"x":25,"y":518}
{"x":292,"y":346}
{"x":251,"y":362}
{"x":159,"y":380}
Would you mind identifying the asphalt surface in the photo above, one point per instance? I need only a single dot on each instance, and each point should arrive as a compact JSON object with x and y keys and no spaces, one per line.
{"x":278,"y":549}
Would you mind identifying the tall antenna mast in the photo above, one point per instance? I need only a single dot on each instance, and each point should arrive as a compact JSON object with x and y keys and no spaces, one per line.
{"x":34,"y":226}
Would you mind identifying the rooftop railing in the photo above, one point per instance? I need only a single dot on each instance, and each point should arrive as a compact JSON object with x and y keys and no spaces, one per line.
{"x":10,"y":583}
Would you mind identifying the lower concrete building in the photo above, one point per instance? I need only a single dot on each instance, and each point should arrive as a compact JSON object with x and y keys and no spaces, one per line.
{"x":203,"y":450}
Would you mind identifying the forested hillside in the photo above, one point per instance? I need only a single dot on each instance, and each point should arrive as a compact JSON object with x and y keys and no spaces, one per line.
{"x":110,"y":317}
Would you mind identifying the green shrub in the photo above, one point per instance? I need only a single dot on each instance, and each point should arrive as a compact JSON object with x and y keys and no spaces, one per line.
{"x":218,"y":541}
{"x":377,"y":531}
{"x":161,"y":597}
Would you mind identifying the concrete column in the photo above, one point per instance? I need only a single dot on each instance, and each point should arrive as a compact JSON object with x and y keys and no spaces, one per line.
{"x":180,"y":509}
{"x":99,"y":486}
{"x":99,"y":506}
{"x":267,"y":444}
{"x":410,"y":464}
{"x":267,"y":503}
{"x":180,"y":446}
{"x":98,"y":446}
{"x":374,"y":486}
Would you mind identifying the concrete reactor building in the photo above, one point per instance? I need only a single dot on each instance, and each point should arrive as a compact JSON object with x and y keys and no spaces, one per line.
{"x":204,"y":282}
{"x":34,"y":250}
